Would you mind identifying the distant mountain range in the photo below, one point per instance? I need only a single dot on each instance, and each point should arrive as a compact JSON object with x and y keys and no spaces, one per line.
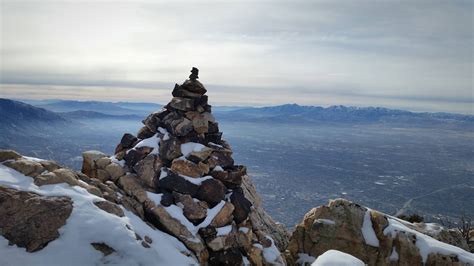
{"x":63,"y":111}
{"x":293,"y":113}
{"x":110,"y":108}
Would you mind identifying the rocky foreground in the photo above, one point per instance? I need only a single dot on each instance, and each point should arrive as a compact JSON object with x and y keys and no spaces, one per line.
{"x":172,"y":195}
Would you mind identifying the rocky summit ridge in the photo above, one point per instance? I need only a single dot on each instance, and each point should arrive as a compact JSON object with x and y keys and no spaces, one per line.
{"x":173,"y":195}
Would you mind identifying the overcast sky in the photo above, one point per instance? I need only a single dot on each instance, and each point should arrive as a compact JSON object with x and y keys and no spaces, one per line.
{"x":415,"y":55}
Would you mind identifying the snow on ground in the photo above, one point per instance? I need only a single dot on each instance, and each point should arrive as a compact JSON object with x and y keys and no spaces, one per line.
{"x":272,"y":254}
{"x":225,"y":230}
{"x":304,"y":258}
{"x":326,"y":221}
{"x":427,"y":244}
{"x":189,"y":147}
{"x":166,"y":135}
{"x":368,"y":231}
{"x":337,"y":258}
{"x":88,"y":224}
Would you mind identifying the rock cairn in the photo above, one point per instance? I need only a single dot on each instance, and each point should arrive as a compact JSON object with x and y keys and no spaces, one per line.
{"x":178,"y":174}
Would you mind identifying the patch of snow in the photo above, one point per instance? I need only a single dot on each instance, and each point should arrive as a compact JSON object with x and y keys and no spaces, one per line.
{"x":217,"y":145}
{"x":326,"y":221}
{"x":218,"y":169}
{"x":368,"y":231}
{"x":87,"y":224}
{"x":198,"y":180}
{"x":304,"y":258}
{"x":394,"y":255}
{"x":271,"y":254}
{"x":335,"y":257}
{"x":152,"y":142}
{"x":225,"y":230}
{"x":113,"y":159}
{"x":245,"y":230}
{"x":166,"y":135}
{"x":259,"y":246}
{"x":189,"y":147}
{"x":163,"y":173}
{"x":245,"y":261}
{"x":428,"y":245}
{"x":33,"y":159}
{"x":380,"y":183}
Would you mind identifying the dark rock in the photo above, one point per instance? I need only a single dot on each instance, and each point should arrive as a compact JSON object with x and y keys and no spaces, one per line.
{"x":30,"y":220}
{"x":133,"y":156}
{"x":145,"y":244}
{"x":183,"y":104}
{"x":201,"y":101}
{"x":183,"y":127}
{"x":200,"y":124}
{"x":145,"y":133}
{"x":148,"y":239}
{"x":110,"y":208}
{"x":221,"y":158}
{"x":148,"y":168}
{"x":170,"y":149}
{"x":104,"y":248}
{"x":232,"y":178}
{"x":213,"y":127}
{"x":167,"y":199}
{"x":181,"y":92}
{"x":119,"y":148}
{"x":152,"y":122}
{"x":242,"y":206}
{"x":194,"y":211}
{"x":211,"y":191}
{"x":208,"y":233}
{"x":194,"y":86}
{"x":194,"y":74}
{"x":174,"y":182}
{"x":228,"y":257}
{"x":128,"y":140}
{"x":214,"y":137}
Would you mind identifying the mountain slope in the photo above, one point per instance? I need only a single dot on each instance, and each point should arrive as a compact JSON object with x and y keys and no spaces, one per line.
{"x":109,"y":108}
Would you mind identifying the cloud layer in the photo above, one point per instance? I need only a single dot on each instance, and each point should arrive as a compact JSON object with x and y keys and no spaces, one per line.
{"x":408,"y":54}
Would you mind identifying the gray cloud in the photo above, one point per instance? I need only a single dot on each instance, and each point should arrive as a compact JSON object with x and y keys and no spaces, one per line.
{"x":412,"y":54}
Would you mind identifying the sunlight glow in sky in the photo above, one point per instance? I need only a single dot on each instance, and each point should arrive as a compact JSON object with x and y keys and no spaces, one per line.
{"x":414,"y":55}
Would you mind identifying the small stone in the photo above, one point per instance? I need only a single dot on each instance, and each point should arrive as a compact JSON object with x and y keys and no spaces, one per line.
{"x":194,"y":86}
{"x":231,"y":178}
{"x":183,"y":104}
{"x":148,"y":239}
{"x":184,"y":127}
{"x":200,"y":124}
{"x":167,"y":199}
{"x":208,"y":233}
{"x":128,"y":140}
{"x":222,"y":159}
{"x":188,"y":168}
{"x":8,"y":155}
{"x":213,"y":127}
{"x":242,"y":206}
{"x":174,"y":182}
{"x":214,"y":137}
{"x":170,"y":149}
{"x":192,"y":210}
{"x":148,"y":168}
{"x":104,"y":248}
{"x":145,"y":244}
{"x":110,"y":208}
{"x":224,"y":216}
{"x":145,"y":133}
{"x":133,"y":156}
{"x":120,"y":155}
{"x":228,"y":257}
{"x":211,"y":191}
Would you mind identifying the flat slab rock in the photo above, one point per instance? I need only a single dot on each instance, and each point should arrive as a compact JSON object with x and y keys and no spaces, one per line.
{"x":30,"y":220}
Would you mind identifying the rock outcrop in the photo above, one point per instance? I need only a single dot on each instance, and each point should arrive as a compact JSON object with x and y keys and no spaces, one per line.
{"x":29,"y":220}
{"x":179,"y":175}
{"x":373,"y":237}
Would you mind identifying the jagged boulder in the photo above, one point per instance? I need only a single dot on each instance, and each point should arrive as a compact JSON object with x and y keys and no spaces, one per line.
{"x":30,"y":220}
{"x":371,"y":236}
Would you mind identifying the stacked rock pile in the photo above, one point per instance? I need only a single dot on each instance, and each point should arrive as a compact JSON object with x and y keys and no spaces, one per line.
{"x":178,"y":174}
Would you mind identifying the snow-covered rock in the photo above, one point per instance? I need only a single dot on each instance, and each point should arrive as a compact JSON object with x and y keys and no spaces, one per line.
{"x":373,"y":237}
